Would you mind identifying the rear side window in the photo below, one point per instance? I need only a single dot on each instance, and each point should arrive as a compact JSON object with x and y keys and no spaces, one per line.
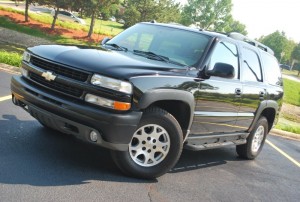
{"x":272,"y":70}
{"x":251,"y":66}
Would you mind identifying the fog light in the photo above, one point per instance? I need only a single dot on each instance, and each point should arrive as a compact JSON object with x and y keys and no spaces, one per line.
{"x":93,"y":136}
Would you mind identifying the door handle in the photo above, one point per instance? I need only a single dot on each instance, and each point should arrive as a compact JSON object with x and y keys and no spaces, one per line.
{"x":261,"y":95}
{"x":238,"y":91}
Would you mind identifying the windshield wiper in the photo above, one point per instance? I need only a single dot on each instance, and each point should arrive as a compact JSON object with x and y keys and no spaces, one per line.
{"x":152,"y":55}
{"x":116,"y":46}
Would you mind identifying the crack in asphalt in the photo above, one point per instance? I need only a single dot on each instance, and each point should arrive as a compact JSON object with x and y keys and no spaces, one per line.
{"x":149,"y":192}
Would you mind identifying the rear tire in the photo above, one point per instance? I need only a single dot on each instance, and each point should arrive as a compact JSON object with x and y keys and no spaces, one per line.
{"x":155,"y":147}
{"x":255,"y":140}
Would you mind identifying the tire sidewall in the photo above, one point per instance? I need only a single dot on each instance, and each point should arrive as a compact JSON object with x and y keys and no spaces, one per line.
{"x":261,"y":122}
{"x":169,"y":123}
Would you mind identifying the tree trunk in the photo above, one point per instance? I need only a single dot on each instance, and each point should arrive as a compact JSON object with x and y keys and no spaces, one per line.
{"x":81,"y":13}
{"x":54,"y":18}
{"x":26,"y":10}
{"x":92,"y":24}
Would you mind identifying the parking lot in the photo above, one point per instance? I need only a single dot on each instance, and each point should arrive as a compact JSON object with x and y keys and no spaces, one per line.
{"x":43,"y":165}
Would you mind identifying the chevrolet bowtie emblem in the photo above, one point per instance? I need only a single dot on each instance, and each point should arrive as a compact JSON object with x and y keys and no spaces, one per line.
{"x":49,"y":76}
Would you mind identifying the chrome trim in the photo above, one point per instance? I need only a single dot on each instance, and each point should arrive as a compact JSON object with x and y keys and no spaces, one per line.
{"x":222,"y":114}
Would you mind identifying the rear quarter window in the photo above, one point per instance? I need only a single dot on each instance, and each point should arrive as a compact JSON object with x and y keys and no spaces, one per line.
{"x":271,"y":68}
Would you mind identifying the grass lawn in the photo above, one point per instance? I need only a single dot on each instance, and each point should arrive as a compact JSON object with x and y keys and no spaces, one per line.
{"x":288,"y":125}
{"x":291,"y":92}
{"x":12,"y":48}
{"x":289,"y":119}
{"x":6,"y":23}
{"x":10,"y":58}
{"x":108,"y":28}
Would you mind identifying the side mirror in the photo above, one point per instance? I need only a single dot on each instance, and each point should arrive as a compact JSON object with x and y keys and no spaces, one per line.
{"x":222,"y":70}
{"x":105,"y":40}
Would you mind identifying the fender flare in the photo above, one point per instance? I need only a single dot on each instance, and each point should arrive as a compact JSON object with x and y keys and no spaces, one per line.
{"x":155,"y":95}
{"x":263,"y":105}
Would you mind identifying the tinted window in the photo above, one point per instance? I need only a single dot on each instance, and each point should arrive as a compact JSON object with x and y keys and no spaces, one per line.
{"x":251,"y":66}
{"x":184,"y":47}
{"x":272,"y":71}
{"x":64,"y":13}
{"x":225,"y":53}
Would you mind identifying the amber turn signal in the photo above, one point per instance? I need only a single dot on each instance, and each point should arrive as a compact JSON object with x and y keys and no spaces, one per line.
{"x":121,"y":105}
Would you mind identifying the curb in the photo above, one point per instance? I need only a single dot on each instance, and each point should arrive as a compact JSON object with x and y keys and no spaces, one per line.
{"x":286,"y":134}
{"x":9,"y":69}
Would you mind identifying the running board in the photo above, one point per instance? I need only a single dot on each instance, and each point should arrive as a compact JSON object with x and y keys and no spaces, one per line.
{"x":200,"y":142}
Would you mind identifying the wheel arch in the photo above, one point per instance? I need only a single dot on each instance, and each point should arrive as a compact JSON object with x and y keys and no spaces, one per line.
{"x":179,"y":103}
{"x":267,"y":109}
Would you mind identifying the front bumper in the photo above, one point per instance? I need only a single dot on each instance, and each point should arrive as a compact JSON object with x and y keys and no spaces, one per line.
{"x":115,"y":130}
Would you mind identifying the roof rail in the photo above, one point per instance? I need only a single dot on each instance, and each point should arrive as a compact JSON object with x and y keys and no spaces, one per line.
{"x":241,"y":37}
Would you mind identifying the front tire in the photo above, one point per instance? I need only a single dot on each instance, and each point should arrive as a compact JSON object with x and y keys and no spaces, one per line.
{"x":155,"y":147}
{"x":255,"y":140}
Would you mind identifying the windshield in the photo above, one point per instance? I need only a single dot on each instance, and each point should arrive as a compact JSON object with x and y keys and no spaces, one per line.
{"x":181,"y":46}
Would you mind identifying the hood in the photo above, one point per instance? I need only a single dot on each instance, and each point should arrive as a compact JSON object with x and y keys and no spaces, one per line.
{"x":117,"y":64}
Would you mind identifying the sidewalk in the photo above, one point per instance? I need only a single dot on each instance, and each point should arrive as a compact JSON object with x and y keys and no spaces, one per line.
{"x":291,"y":77}
{"x":14,"y":37}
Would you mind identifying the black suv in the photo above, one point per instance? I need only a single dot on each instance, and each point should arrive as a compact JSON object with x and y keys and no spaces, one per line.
{"x":153,"y":90}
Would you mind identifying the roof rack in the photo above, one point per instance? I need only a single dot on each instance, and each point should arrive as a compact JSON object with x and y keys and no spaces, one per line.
{"x":241,"y":37}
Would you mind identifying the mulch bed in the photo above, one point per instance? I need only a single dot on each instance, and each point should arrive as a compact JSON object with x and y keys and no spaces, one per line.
{"x":60,"y":31}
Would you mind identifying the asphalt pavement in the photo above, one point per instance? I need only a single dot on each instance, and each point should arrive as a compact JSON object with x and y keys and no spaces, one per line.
{"x":37,"y":164}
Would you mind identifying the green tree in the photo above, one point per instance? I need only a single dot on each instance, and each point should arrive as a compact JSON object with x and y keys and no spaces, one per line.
{"x":296,"y":56}
{"x":94,"y":9}
{"x":296,"y":53}
{"x":236,"y":26}
{"x":288,"y":49}
{"x":78,"y":6}
{"x":277,"y":41}
{"x":57,"y":5}
{"x":208,"y":14}
{"x":27,"y":2}
{"x":147,"y":10}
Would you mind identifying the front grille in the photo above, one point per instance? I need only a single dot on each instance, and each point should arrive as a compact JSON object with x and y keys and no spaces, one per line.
{"x":59,"y":69}
{"x":65,"y":89}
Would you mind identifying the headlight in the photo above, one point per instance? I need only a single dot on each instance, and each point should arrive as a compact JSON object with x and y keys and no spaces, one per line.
{"x":122,"y":106}
{"x":26,"y":56}
{"x":111,"y":83}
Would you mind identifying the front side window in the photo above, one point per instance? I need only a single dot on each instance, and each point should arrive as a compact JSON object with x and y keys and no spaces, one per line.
{"x":251,"y":66}
{"x":182,"y":46}
{"x":225,"y":52}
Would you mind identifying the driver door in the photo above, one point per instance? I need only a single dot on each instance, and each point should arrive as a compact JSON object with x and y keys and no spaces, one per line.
{"x":218,"y":99}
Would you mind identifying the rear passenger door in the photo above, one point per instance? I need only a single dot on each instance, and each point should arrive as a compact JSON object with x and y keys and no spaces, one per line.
{"x":254,"y":89}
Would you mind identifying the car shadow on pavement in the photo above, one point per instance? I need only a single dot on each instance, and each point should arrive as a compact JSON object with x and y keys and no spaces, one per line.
{"x":33,"y":155}
{"x":193,"y":160}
